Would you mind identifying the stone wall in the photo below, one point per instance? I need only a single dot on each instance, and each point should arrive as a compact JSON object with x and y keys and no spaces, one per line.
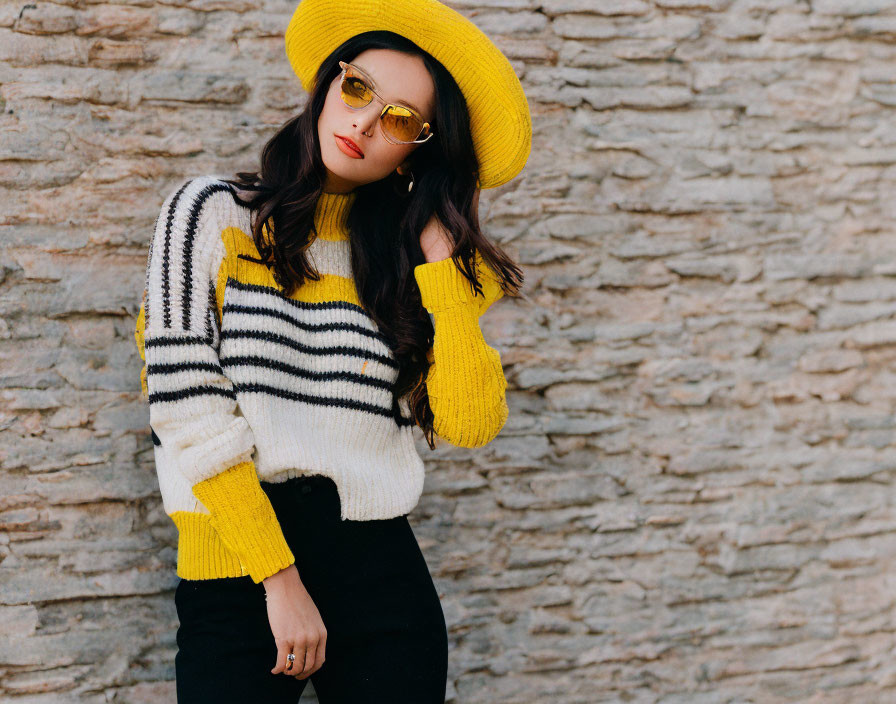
{"x":692,"y":500}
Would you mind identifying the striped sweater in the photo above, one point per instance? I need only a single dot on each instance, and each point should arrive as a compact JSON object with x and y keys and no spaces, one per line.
{"x":245,"y":383}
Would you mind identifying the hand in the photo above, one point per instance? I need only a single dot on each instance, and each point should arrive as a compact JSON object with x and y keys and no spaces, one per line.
{"x":435,"y":241}
{"x":295,"y":623}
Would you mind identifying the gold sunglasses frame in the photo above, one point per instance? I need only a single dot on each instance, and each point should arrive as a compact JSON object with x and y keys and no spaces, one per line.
{"x":344,"y":65}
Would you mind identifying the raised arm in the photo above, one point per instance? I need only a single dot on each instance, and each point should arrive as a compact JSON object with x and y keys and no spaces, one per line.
{"x":192,"y":404}
{"x":466,"y":382}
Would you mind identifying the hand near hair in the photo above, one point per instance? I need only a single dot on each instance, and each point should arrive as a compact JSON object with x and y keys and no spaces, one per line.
{"x":435,"y":241}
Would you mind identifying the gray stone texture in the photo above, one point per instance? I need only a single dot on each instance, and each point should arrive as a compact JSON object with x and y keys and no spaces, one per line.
{"x":693,"y":499}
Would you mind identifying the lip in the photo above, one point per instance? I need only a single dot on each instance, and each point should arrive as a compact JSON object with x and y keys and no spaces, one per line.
{"x":349,"y":147}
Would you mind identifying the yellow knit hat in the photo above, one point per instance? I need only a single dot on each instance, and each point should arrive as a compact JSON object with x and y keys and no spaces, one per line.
{"x":500,"y":122}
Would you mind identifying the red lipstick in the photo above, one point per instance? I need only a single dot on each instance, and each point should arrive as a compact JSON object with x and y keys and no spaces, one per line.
{"x":349,"y":147}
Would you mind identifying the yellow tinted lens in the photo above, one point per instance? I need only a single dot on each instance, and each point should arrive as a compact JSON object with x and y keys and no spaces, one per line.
{"x":355,"y":92}
{"x":401,"y":123}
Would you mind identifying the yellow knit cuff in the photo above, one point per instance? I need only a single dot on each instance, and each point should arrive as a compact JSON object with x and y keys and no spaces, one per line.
{"x":442,"y":285}
{"x":242,"y":515}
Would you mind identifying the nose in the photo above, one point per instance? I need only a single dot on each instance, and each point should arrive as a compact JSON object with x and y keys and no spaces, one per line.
{"x":367,"y":117}
{"x":367,"y":123}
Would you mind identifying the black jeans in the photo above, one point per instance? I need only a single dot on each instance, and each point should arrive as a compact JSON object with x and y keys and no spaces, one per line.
{"x":386,"y":634}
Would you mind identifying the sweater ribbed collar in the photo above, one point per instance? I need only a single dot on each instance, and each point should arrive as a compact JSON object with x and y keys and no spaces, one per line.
{"x":331,"y":215}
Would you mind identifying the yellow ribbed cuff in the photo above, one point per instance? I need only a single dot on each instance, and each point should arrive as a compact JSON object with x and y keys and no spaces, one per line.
{"x":443,"y":286}
{"x":242,"y":515}
{"x":201,"y":554}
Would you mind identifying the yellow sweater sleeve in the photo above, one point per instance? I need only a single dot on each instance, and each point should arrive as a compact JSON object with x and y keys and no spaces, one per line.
{"x":241,"y":512}
{"x":465,"y":383}
{"x":243,"y":517}
{"x":219,"y":473}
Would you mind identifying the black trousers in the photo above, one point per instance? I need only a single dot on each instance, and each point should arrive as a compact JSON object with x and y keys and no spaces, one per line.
{"x":386,"y":634}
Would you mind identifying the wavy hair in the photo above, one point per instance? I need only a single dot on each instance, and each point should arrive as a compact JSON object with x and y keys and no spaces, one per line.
{"x":385,"y":220}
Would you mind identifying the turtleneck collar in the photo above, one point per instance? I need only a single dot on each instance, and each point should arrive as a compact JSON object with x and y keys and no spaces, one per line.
{"x":331,"y":215}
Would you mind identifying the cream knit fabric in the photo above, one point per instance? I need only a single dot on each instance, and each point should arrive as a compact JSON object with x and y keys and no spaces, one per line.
{"x":300,"y":388}
{"x":247,"y":384}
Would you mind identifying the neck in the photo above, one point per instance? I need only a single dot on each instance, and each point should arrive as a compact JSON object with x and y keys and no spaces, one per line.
{"x":331,"y":215}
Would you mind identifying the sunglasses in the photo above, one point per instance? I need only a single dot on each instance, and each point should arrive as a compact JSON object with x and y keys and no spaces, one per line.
{"x":401,"y":124}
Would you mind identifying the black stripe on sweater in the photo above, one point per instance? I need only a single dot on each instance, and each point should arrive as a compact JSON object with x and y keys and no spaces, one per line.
{"x":175,"y":367}
{"x":301,"y":373}
{"x":166,"y":255}
{"x":182,"y":341}
{"x":192,"y":222}
{"x":298,"y":346}
{"x":211,"y":317}
{"x":189,"y":343}
{"x":205,"y":390}
{"x":322,"y":401}
{"x":310,"y":327}
{"x":190,"y":391}
{"x":306,"y":305}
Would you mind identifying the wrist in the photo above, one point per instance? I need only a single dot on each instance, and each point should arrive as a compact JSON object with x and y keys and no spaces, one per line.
{"x":435,"y":242}
{"x":277,"y":580}
{"x":436,"y":253}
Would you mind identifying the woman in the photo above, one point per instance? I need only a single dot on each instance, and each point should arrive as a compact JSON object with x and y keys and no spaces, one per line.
{"x":298,"y":323}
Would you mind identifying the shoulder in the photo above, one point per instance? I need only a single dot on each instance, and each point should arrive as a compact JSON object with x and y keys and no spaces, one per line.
{"x":205,"y":203}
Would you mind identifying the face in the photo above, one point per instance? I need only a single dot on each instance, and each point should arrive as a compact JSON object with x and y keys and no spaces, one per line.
{"x":398,"y":78}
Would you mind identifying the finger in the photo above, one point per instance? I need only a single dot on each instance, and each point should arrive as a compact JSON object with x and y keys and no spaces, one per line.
{"x":309,"y":663}
{"x":284,"y":647}
{"x":298,"y":667}
{"x":320,"y":655}
{"x":293,"y":667}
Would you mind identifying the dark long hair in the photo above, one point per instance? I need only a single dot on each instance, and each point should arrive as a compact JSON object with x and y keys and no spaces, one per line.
{"x":385,"y":220}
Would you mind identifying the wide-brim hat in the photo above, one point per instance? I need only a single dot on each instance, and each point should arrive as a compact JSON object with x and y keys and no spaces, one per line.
{"x":500,"y":122}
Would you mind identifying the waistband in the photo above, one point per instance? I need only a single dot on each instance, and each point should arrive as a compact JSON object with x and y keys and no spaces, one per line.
{"x":305,"y":482}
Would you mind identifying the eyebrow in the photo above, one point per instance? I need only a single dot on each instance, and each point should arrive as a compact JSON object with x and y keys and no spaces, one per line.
{"x":374,"y":86}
